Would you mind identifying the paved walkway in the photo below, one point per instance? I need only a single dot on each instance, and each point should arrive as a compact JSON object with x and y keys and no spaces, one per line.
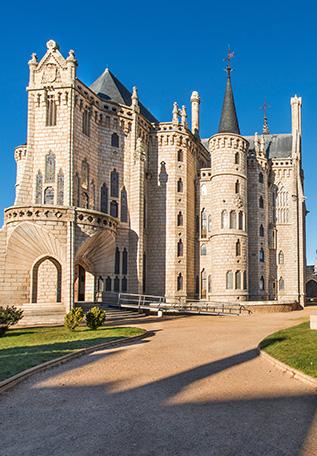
{"x":196,"y":387}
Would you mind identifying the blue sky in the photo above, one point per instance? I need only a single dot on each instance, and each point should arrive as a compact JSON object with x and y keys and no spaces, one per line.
{"x":169,"y":49}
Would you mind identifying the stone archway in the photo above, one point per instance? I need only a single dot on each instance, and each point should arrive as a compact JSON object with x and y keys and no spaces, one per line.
{"x":311,"y":289}
{"x":47,"y":281}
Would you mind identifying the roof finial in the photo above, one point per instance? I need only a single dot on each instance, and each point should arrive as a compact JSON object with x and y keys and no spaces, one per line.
{"x":264,"y":108}
{"x":229,"y":57}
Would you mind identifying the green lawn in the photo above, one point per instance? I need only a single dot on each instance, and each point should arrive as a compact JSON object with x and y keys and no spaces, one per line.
{"x":296,"y":346}
{"x":21,"y":349}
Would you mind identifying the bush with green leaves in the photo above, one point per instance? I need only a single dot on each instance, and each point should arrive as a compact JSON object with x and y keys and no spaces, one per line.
{"x":9,"y":315}
{"x":74,"y":318}
{"x":95,"y":317}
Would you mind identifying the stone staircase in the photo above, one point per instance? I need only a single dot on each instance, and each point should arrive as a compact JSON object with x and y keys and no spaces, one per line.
{"x":39,"y":314}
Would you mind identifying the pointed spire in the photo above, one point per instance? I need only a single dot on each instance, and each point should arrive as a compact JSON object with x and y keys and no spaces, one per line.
{"x":264,"y":108}
{"x":229,"y":121}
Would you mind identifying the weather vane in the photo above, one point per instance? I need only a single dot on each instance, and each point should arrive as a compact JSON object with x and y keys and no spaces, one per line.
{"x":229,"y":57}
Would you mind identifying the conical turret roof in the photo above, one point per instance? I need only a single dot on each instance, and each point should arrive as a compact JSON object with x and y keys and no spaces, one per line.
{"x":229,"y":120}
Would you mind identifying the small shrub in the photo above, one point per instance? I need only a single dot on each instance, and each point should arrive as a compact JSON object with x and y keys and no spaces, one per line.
{"x":9,"y":316}
{"x":73,"y":318}
{"x":95,"y":317}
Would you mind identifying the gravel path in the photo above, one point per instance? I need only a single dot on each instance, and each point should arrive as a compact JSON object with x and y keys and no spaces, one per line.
{"x":196,"y":387}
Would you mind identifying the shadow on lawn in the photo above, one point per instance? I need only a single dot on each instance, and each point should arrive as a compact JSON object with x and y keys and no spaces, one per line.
{"x":271,"y":341}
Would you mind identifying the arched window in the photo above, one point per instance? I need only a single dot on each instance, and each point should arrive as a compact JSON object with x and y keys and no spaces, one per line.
{"x":203,"y":221}
{"x":233,"y":220}
{"x":125,"y":261}
{"x":124,"y":284}
{"x":261,"y":255}
{"x":116,"y":284}
{"x":240,"y":217}
{"x":180,"y":219}
{"x":179,"y":282}
{"x":38,"y":188}
{"x":114,"y":209}
{"x":104,"y":199}
{"x":261,"y":230}
{"x":180,"y":185}
{"x":237,"y":186}
{"x":108,"y":283}
{"x":60,"y":188}
{"x":244,"y":280}
{"x":238,"y":280}
{"x":115,"y":140}
{"x":281,"y":257}
{"x":84,"y":174}
{"x":203,"y":249}
{"x":180,"y":155}
{"x":237,"y":158}
{"x":124,"y":206}
{"x":209,"y":224}
{"x":203,"y":291}
{"x":229,"y":280}
{"x":51,"y":111}
{"x":47,"y":280}
{"x":85,"y":200}
{"x":261,"y":202}
{"x":114,"y":187}
{"x":261,"y":178}
{"x":86,"y":121}
{"x":50,"y":160}
{"x":238,"y":248}
{"x":261,"y":283}
{"x":117,"y":261}
{"x":49,"y":196}
{"x":180,"y":248}
{"x":281,"y":284}
{"x":224,"y":219}
{"x":209,"y":283}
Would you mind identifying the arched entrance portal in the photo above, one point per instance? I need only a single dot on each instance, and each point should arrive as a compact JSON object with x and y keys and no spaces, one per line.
{"x":84,"y":285}
{"x":311,"y":289}
{"x":47,"y":281}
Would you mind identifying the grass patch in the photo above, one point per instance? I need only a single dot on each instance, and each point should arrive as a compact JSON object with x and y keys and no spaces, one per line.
{"x":21,"y":349}
{"x":296,"y":346}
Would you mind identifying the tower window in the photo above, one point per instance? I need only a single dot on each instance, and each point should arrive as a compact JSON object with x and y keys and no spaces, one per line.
{"x":180,"y":248}
{"x":114,"y":179}
{"x":51,"y":111}
{"x":261,"y":178}
{"x":261,"y":284}
{"x":180,"y":185}
{"x":238,"y":280}
{"x":125,"y":261}
{"x":203,"y":223}
{"x":281,"y":284}
{"x":203,"y":250}
{"x":114,"y":209}
{"x":261,"y":231}
{"x":281,"y":257}
{"x":86,"y":122}
{"x":180,"y":155}
{"x":224,"y":219}
{"x":233,"y":220}
{"x":261,"y":202}
{"x":238,"y":248}
{"x":124,"y":206}
{"x":180,"y":219}
{"x":104,"y":198}
{"x":261,"y":255}
{"x":179,"y":282}
{"x":240,"y":219}
{"x":115,"y":140}
{"x":229,"y":280}
{"x":117,"y":261}
{"x":49,"y":196}
{"x":237,"y":158}
{"x":237,"y":187}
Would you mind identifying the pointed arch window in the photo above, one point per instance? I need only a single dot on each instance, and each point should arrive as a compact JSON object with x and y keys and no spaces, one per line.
{"x":114,"y":209}
{"x":261,"y":230}
{"x":104,"y":199}
{"x":238,"y":280}
{"x":124,"y":285}
{"x":86,"y":121}
{"x":49,"y":196}
{"x":281,"y":257}
{"x":114,"y":179}
{"x":203,"y":218}
{"x":241,"y":220}
{"x":237,"y":158}
{"x":224,"y":219}
{"x":180,"y":248}
{"x":60,"y":188}
{"x":179,"y":282}
{"x":261,"y":284}
{"x":237,"y":186}
{"x":233,"y":220}
{"x":180,"y":185}
{"x":117,"y":261}
{"x":116,"y":284}
{"x":180,"y":155}
{"x":261,"y":255}
{"x":229,"y":280}
{"x":51,"y":111}
{"x":238,"y":248}
{"x":115,"y":140}
{"x":203,"y":250}
{"x":203,"y":291}
{"x":261,"y":202}
{"x":125,"y":261}
{"x":38,"y":188}
{"x":50,"y":164}
{"x":244,"y":280}
{"x":108,"y":283}
{"x":261,"y":180}
{"x":84,"y":174}
{"x":180,"y":219}
{"x":124,"y":206}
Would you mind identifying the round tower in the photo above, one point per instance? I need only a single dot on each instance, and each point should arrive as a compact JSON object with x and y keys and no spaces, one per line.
{"x":229,"y":239}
